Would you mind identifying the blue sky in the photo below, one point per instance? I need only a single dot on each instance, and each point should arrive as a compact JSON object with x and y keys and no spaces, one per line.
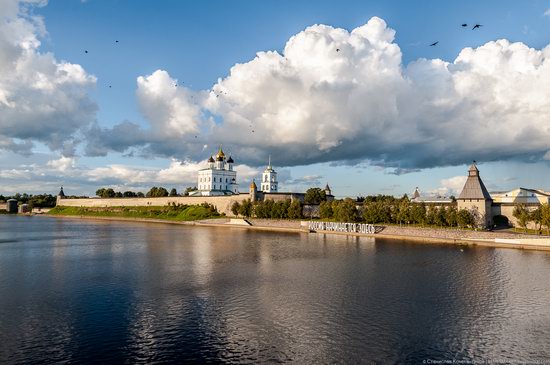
{"x":197,"y":43}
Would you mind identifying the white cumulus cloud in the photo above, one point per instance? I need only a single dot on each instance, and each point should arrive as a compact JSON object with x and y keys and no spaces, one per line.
{"x":62,"y":164}
{"x":450,"y":186}
{"x":41,"y":98}
{"x":338,"y":95}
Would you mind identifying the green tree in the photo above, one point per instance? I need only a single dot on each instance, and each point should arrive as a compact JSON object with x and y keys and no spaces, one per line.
{"x":370,"y":212}
{"x":173,"y":192}
{"x":235,"y":208}
{"x":246,"y":208}
{"x":376,"y":211}
{"x":418,"y":213}
{"x":464,"y":218}
{"x":545,"y":216}
{"x":325,"y":210}
{"x":346,"y":211}
{"x":156,"y":192}
{"x":280,"y":209}
{"x":403,"y":211}
{"x":189,"y":190}
{"x":268,"y":207}
{"x":295,"y":209}
{"x":315,"y":196}
{"x":140,"y":194}
{"x":431,"y":214}
{"x":522,"y":215}
{"x":129,"y":194}
{"x":105,"y":193}
{"x":536,"y":217}
{"x":42,"y":201}
{"x":451,"y":216}
{"x":440,"y":216}
{"x":262,"y":209}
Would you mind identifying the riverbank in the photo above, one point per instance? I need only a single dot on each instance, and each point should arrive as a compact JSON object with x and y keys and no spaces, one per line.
{"x":415,"y":234}
{"x":170,"y":212}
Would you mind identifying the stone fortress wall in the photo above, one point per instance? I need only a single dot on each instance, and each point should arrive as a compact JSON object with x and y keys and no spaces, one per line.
{"x":507,"y":210}
{"x":222,"y":203}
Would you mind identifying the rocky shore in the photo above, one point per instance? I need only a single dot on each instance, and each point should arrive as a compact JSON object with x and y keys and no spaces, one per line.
{"x":450,"y":233}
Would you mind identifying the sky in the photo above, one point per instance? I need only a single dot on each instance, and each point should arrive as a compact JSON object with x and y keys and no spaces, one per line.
{"x":130,"y":95}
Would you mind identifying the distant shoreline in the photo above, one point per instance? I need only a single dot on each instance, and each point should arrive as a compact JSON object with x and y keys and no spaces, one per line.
{"x":421,"y":235}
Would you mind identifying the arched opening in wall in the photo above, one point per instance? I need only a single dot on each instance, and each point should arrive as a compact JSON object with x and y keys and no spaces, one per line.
{"x":501,"y":221}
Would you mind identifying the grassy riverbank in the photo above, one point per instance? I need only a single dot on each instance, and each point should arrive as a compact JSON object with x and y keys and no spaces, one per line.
{"x":173,"y":213}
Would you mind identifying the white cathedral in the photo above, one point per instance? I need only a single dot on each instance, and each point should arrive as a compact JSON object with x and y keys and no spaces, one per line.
{"x":219,"y":178}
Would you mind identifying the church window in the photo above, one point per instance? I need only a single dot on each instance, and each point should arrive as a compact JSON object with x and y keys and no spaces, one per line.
{"x":265,"y":178}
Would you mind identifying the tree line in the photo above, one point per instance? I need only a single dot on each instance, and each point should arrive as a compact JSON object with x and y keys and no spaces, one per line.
{"x":268,"y":209}
{"x":540,"y":216}
{"x":34,"y":201}
{"x":391,"y":210}
{"x":154,"y":192}
{"x":382,"y":209}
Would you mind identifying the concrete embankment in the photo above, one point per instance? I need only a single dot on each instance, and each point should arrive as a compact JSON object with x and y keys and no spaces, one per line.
{"x":415,"y":234}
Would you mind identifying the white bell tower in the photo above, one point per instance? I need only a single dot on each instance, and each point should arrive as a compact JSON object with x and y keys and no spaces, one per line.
{"x":269,"y":179}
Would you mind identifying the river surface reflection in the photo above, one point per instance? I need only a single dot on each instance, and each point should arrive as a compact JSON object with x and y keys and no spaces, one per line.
{"x":116,"y":292}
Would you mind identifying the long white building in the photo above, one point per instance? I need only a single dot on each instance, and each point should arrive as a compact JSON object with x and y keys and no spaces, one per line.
{"x":218,"y":178}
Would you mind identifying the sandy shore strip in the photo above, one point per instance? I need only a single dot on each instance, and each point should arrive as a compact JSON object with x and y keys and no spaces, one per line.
{"x":416,"y":234}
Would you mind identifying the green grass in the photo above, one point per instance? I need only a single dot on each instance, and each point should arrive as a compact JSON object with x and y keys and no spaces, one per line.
{"x":529,"y":231}
{"x":174,"y":213}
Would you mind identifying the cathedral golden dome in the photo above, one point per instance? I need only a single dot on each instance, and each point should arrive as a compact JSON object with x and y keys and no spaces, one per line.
{"x":220,"y":154}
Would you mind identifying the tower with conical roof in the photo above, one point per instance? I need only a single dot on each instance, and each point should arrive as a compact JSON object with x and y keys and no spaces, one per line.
{"x":253,"y":191}
{"x":327,"y":190}
{"x":269,"y":179}
{"x":416,"y":194}
{"x":60,"y":195}
{"x":476,"y":198}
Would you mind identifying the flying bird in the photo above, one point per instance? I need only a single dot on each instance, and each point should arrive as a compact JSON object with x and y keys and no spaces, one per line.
{"x":434,"y":44}
{"x":86,"y":51}
{"x":337,"y":49}
{"x":116,"y":41}
{"x":477,"y":26}
{"x":464,"y":25}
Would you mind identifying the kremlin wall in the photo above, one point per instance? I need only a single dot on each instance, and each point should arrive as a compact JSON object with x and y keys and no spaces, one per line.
{"x":217,"y":186}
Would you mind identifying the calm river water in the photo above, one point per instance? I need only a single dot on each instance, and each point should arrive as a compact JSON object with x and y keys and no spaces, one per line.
{"x":116,"y":292}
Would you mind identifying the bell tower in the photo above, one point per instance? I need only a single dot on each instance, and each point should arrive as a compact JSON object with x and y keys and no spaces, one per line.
{"x":269,"y":182}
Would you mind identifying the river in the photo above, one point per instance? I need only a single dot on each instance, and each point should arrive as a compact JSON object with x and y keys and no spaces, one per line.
{"x":78,"y":291}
